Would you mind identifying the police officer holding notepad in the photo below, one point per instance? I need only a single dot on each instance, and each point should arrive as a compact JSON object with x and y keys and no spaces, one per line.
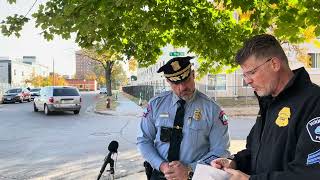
{"x":181,"y":127}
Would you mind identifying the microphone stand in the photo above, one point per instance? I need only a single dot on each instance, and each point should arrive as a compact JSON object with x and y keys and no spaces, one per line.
{"x":107,"y":160}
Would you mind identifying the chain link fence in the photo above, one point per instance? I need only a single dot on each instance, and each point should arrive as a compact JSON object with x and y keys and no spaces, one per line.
{"x":224,"y":95}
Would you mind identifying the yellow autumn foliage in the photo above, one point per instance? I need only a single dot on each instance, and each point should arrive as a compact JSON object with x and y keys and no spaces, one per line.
{"x":309,"y":33}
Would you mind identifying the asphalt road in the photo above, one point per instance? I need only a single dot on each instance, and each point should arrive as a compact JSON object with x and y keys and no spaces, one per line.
{"x":62,"y":145}
{"x":68,"y":146}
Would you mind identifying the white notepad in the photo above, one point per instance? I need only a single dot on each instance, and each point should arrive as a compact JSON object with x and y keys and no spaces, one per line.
{"x":209,"y":173}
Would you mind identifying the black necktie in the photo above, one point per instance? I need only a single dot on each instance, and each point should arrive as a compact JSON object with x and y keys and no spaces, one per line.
{"x":176,"y":136}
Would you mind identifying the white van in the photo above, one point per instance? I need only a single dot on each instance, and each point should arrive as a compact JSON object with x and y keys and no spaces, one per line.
{"x":58,"y":98}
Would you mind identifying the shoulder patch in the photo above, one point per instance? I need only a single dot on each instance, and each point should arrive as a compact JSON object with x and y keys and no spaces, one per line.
{"x":313,"y":127}
{"x":223,"y":118}
{"x":146,"y":111}
{"x":313,"y":158}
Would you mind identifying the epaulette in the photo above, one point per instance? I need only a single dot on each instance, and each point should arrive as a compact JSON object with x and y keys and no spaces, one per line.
{"x":160,"y":96}
{"x":207,"y":97}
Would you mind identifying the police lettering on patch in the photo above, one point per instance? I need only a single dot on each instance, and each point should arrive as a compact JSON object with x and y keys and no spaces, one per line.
{"x":313,"y":127}
{"x":223,"y":118}
{"x":146,"y":110}
{"x":313,"y":158}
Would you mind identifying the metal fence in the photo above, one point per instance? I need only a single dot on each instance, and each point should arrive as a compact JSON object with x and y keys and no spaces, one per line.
{"x":228,"y":95}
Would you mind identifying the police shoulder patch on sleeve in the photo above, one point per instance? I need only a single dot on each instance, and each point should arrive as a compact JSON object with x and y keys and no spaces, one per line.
{"x":146,"y":110}
{"x":313,"y":127}
{"x":223,"y":118}
{"x":313,"y":158}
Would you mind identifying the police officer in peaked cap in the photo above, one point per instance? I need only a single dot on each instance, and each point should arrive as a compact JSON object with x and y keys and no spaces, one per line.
{"x":181,"y":127}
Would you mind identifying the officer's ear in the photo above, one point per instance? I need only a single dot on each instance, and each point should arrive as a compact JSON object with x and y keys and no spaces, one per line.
{"x":276,"y":63}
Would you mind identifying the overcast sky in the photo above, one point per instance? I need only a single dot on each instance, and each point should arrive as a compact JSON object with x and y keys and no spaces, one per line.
{"x":31,"y":43}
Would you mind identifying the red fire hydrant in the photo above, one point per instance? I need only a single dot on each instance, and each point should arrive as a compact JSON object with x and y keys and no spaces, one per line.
{"x":108,"y":103}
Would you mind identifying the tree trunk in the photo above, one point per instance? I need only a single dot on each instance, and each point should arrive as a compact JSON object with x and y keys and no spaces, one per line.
{"x":107,"y":70}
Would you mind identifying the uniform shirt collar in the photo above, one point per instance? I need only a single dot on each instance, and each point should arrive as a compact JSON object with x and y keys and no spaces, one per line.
{"x":176,"y":98}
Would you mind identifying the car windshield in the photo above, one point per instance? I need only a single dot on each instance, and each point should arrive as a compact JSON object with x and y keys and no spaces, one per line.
{"x":15,"y":91}
{"x":65,"y":92}
{"x":35,"y":90}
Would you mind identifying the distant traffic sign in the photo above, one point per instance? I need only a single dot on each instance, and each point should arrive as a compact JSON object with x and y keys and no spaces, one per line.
{"x":176,"y":53}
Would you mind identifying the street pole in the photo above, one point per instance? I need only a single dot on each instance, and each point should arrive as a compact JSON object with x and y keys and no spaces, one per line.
{"x":53,"y":77}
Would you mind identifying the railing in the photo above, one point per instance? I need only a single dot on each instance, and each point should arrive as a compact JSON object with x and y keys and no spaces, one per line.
{"x":239,"y":95}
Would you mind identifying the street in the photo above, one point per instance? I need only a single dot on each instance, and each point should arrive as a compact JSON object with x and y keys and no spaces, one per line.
{"x":62,"y":145}
{"x":68,"y":146}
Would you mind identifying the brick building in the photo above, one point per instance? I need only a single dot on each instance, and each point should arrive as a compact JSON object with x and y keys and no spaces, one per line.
{"x":83,"y":84}
{"x":84,"y":65}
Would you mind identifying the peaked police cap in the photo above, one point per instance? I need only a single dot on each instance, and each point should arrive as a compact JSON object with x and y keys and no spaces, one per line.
{"x":177,"y":69}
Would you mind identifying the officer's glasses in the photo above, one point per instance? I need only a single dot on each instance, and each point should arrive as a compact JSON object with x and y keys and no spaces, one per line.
{"x":249,"y":74}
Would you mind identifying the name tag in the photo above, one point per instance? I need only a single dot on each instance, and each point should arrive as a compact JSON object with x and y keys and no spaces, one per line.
{"x":164,"y":115}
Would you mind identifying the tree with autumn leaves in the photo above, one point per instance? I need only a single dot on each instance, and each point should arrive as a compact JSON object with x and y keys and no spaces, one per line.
{"x":213,"y":30}
{"x":107,"y":59}
{"x":41,"y":81}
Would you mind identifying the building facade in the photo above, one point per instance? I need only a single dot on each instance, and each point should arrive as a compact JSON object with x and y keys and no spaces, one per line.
{"x":17,"y":72}
{"x":230,"y":85}
{"x":83,"y":84}
{"x":84,"y":65}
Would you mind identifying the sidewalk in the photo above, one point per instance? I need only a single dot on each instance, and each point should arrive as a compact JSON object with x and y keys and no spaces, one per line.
{"x":126,"y":107}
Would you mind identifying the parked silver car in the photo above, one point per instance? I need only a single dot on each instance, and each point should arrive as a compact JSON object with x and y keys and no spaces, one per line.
{"x":58,"y":98}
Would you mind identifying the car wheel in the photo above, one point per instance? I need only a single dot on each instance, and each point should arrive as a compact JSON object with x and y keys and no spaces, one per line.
{"x":35,"y":109}
{"x":21,"y":101}
{"x":46,"y":110}
{"x":29,"y":100}
{"x":76,"y":111}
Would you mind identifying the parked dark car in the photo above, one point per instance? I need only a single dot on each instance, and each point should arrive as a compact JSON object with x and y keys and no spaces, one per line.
{"x":16,"y":95}
{"x":34,"y":93}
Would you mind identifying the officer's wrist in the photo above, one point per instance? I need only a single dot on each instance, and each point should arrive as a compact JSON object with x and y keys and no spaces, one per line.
{"x":189,"y":172}
{"x":163,"y":166}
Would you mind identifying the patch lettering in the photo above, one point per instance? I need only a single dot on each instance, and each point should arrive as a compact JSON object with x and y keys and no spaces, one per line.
{"x":313,"y":127}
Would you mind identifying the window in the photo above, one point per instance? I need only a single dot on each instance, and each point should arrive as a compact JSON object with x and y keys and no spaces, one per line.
{"x":65,"y":92}
{"x":315,"y":60}
{"x":244,"y":84}
{"x":217,"y":82}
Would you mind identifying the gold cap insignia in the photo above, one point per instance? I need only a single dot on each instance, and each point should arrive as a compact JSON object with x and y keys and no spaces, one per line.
{"x":283,"y":117}
{"x":197,"y":114}
{"x":175,"y":65}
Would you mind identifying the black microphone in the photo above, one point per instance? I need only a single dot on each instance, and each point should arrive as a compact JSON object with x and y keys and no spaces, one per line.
{"x":113,"y":148}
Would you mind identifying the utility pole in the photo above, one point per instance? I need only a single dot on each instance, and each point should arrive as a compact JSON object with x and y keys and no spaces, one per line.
{"x":53,"y":76}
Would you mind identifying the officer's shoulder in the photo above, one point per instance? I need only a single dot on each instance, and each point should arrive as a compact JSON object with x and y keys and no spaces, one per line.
{"x":161,"y":96}
{"x":207,"y":98}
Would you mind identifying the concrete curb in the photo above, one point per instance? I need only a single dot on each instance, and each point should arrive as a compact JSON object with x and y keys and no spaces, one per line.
{"x":105,"y":113}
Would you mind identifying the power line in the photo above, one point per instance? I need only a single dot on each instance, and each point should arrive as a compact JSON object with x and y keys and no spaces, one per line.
{"x":31,"y":8}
